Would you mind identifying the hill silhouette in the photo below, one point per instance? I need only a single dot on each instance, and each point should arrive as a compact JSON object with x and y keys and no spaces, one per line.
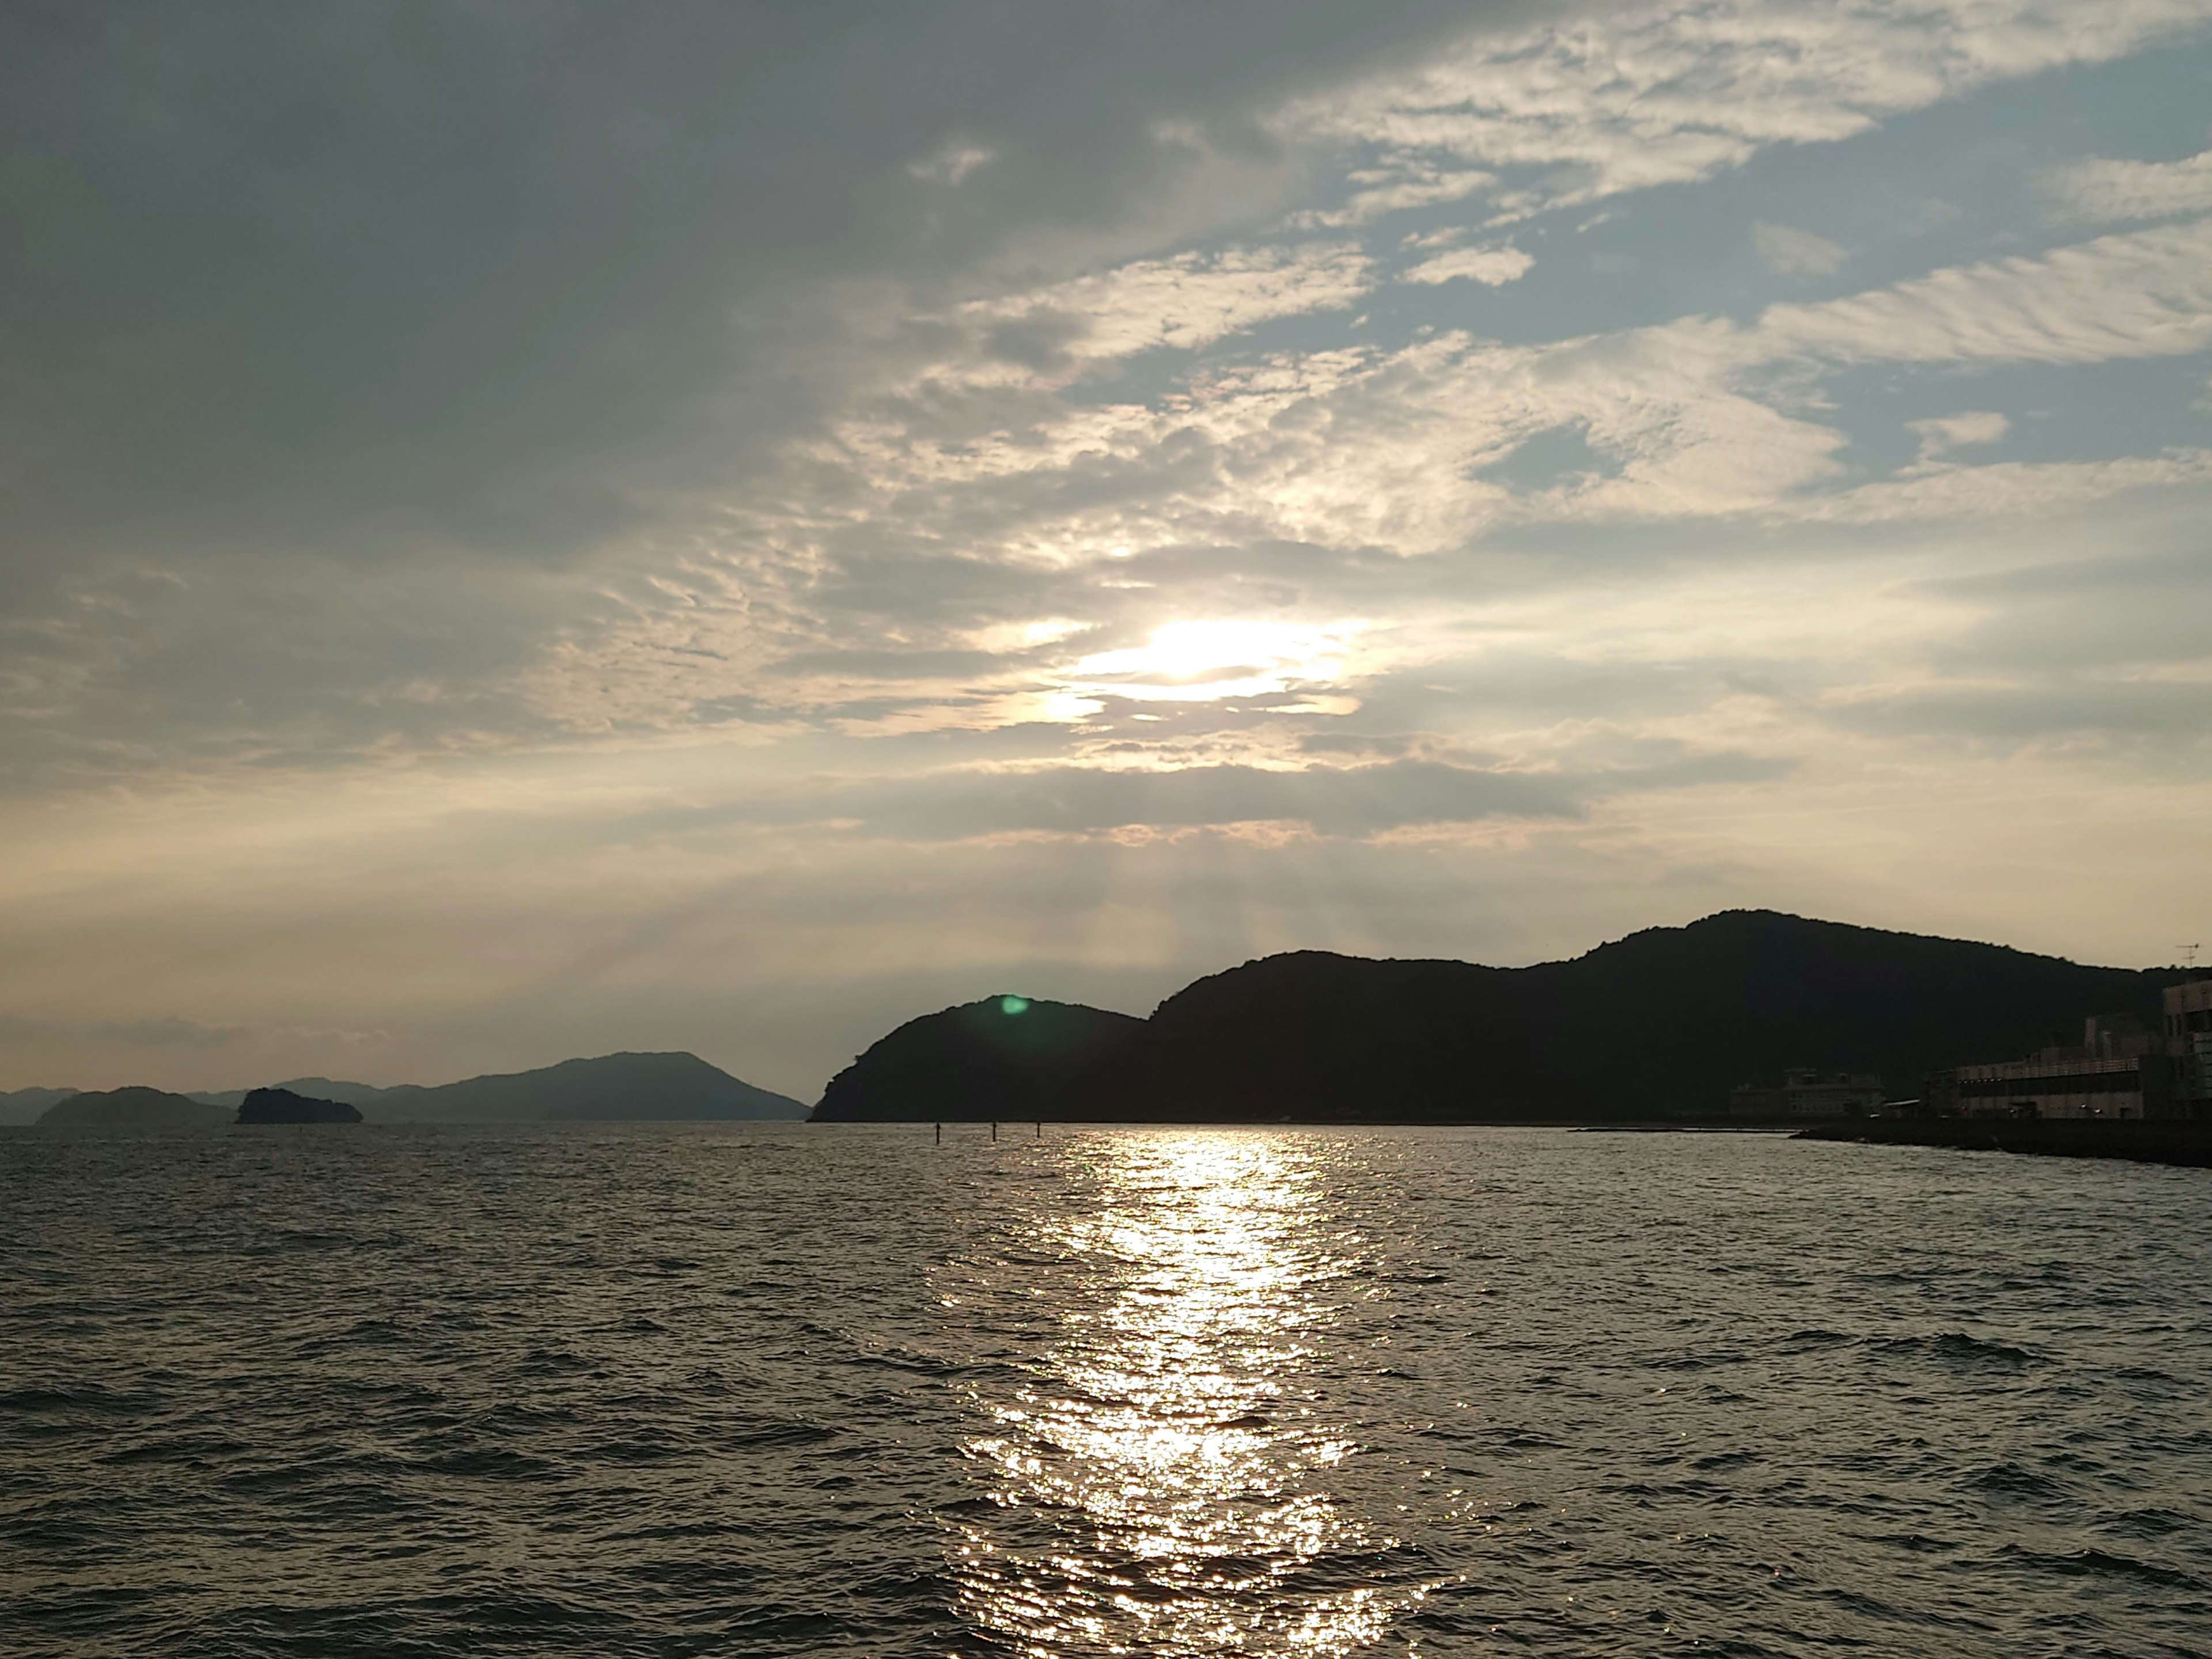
{"x":624,"y":1088}
{"x":137,"y":1108}
{"x":282,"y":1106}
{"x":1004,"y":1057}
{"x":1663,"y":1022}
{"x":637,"y":1088}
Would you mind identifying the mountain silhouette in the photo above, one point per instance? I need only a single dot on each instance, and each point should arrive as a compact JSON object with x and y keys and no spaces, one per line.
{"x":136,"y":1106}
{"x":282,"y":1106}
{"x":633,"y":1088}
{"x":1661,"y":1024}
{"x":1004,"y":1057}
{"x":624,"y":1088}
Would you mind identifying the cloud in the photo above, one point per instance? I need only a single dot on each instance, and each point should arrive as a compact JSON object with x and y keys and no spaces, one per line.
{"x":2098,"y":189}
{"x":528,"y":520}
{"x":2145,"y":293}
{"x":168,"y":1032}
{"x":1375,"y":454}
{"x":1797,"y":253}
{"x":952,"y":163}
{"x":636,"y":492}
{"x":1183,"y":303}
{"x":1492,"y":267}
{"x":1666,"y":94}
{"x":458,"y":331}
{"x":2036,"y":710}
{"x":1352,"y":800}
{"x":1407,"y":184}
{"x":2121,"y":615}
{"x":2004,"y":489}
{"x":1939,"y":434}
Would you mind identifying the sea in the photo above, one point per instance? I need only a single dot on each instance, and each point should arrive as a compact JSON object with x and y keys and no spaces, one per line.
{"x":416,"y":1393}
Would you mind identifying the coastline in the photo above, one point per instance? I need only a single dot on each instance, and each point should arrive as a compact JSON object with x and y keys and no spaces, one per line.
{"x":2177,"y":1141}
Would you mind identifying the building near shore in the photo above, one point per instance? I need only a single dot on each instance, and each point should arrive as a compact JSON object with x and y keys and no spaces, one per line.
{"x":2122,"y":1068}
{"x":2189,"y":1036}
{"x":1806,"y":1092}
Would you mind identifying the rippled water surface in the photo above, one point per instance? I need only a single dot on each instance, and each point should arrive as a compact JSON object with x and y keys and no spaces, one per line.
{"x":845,"y":1391}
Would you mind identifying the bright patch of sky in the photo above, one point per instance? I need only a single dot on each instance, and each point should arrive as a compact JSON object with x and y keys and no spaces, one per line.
{"x":1558,"y":474}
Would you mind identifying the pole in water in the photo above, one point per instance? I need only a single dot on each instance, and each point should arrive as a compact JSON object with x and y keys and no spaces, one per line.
{"x":995,"y":1132}
{"x":940,"y":1135}
{"x":1040,"y":1129}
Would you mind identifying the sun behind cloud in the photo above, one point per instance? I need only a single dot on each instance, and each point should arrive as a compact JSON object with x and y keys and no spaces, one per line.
{"x":1205,"y":661}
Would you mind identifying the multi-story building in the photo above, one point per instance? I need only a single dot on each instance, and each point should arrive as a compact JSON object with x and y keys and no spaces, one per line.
{"x":2189,"y":1040}
{"x":2058,"y":1083}
{"x":2122,"y":1069}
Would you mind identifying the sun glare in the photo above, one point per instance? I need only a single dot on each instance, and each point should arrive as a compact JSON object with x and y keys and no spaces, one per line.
{"x":1205,"y":661}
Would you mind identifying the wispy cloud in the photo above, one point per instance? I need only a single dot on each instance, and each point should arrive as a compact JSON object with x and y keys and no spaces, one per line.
{"x":2141,"y":295}
{"x":1661,"y":94}
{"x":2100,"y":190}
{"x":1178,"y":304}
{"x":1493,"y":266}
{"x":1797,"y":253}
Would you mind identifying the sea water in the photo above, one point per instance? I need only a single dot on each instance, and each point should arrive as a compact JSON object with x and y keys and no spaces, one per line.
{"x":794,"y":1390}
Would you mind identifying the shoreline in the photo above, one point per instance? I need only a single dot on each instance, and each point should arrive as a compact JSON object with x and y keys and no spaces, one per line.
{"x":2184,"y":1142}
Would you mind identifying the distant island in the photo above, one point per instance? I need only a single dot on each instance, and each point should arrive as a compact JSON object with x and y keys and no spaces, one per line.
{"x":1661,"y":1025}
{"x":624,"y":1088}
{"x":282,"y":1106}
{"x":621,"y":1088}
{"x":135,"y":1107}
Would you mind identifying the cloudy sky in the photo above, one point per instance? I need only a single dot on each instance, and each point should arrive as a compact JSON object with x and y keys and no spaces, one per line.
{"x":533,"y":529}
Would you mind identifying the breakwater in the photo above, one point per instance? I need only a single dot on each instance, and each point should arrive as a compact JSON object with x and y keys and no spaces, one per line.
{"x":2145,"y":1141}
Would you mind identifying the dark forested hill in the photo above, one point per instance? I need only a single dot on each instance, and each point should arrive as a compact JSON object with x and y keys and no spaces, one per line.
{"x":1004,"y":1057}
{"x":1661,"y":1023}
{"x":135,"y":1107}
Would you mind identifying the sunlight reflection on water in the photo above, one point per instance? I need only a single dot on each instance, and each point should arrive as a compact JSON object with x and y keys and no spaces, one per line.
{"x":1154,"y":1490}
{"x":799,"y":1393}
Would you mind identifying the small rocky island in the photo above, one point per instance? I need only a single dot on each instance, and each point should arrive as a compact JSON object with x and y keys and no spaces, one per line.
{"x":282,"y":1106}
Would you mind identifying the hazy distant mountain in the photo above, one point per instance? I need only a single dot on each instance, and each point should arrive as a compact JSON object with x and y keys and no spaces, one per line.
{"x":134,"y":1108}
{"x":314,"y":1088}
{"x":616,"y":1088}
{"x":612,"y":1088}
{"x":323,"y":1088}
{"x":24,"y":1105}
{"x":1662,"y":1021}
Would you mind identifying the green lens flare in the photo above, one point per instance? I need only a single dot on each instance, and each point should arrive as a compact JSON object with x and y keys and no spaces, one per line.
{"x":1013,"y":1005}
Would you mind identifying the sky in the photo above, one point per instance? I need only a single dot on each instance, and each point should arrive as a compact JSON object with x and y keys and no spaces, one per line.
{"x":540,"y":529}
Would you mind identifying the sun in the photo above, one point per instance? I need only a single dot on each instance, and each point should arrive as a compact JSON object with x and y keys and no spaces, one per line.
{"x":1197,"y":661}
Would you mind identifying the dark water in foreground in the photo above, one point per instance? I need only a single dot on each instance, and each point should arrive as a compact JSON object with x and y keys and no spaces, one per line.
{"x":664,"y":1392}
